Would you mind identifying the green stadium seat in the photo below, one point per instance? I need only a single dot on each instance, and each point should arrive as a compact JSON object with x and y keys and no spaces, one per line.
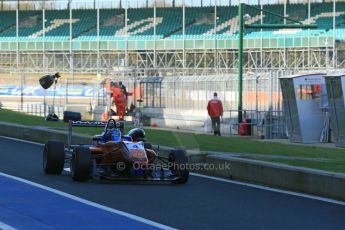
{"x":199,"y":23}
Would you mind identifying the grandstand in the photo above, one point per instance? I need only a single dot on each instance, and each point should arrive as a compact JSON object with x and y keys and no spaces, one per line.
{"x":172,"y":39}
{"x":150,"y":33}
{"x":167,"y":23}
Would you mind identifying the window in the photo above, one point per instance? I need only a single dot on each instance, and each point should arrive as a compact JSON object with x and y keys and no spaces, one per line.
{"x":309,"y":92}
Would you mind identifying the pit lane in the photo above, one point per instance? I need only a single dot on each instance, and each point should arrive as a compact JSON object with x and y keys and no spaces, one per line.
{"x":200,"y":204}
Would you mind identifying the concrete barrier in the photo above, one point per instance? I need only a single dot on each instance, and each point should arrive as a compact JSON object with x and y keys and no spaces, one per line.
{"x":39,"y":134}
{"x":300,"y":179}
{"x":277,"y":175}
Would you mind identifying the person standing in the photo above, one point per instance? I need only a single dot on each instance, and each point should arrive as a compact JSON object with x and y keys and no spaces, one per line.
{"x":124,"y":91}
{"x":123,"y":87}
{"x":215,"y":111}
{"x":120,"y":102}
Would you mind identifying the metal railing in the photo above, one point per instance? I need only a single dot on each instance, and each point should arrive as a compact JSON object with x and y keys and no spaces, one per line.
{"x":35,"y":109}
{"x":263,"y":124}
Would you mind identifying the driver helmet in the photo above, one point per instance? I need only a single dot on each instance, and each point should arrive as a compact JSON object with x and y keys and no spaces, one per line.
{"x":137,"y":134}
{"x":115,"y":134}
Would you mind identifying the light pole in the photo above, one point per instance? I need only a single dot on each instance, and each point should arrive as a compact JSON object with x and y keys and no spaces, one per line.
{"x":327,"y":54}
{"x":257,"y":93}
{"x":240,"y":59}
{"x":242,"y":26}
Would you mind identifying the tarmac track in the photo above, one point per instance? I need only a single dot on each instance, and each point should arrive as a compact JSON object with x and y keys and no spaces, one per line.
{"x":200,"y":204}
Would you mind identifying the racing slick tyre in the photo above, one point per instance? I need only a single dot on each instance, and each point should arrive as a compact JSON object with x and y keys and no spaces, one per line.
{"x":179,"y":168}
{"x":80,"y":164}
{"x":53,"y":157}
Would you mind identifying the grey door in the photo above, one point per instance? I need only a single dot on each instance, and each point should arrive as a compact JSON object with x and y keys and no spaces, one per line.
{"x":337,"y":109}
{"x":290,"y":109}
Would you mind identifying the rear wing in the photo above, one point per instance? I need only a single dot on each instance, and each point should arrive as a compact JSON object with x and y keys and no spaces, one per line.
{"x":72,"y":124}
{"x":82,"y":124}
{"x":87,"y":123}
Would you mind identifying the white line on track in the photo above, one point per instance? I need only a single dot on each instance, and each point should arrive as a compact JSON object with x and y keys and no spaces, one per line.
{"x":93,"y":204}
{"x":25,"y":141}
{"x":4,"y":226}
{"x":261,"y":187}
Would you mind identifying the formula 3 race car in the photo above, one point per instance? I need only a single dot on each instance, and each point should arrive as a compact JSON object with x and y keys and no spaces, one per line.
{"x":114,"y":156}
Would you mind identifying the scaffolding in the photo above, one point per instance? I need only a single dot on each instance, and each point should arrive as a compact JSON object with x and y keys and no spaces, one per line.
{"x":173,"y":62}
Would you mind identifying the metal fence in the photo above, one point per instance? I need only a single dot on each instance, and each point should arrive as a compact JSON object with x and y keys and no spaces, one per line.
{"x":35,"y":109}
{"x":268,"y":124}
{"x":21,"y":91}
{"x":261,"y":91}
{"x":182,"y":99}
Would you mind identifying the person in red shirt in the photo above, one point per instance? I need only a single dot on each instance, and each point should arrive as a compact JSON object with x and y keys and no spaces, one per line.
{"x":215,"y":111}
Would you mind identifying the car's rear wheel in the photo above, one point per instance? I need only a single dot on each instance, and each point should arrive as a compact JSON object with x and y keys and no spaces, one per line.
{"x":80,"y":164}
{"x":53,"y":157}
{"x":179,"y":161}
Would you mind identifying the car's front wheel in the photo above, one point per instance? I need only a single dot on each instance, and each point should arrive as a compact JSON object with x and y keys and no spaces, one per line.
{"x":178,"y":158}
{"x":53,"y":157}
{"x":80,"y":164}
